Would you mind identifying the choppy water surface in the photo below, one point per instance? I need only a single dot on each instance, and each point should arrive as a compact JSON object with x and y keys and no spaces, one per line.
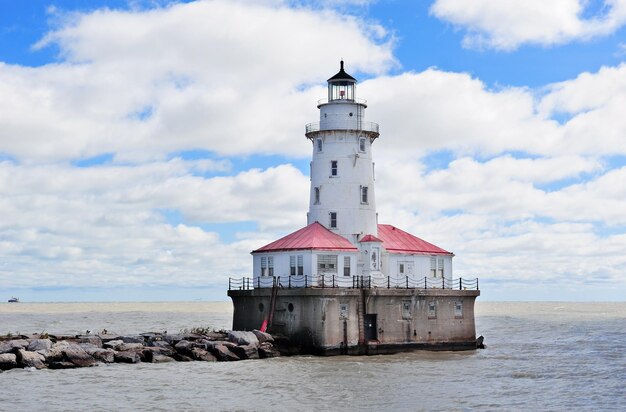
{"x":540,"y":356}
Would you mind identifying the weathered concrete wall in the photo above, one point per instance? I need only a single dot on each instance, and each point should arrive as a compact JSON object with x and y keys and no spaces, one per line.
{"x":328,"y":319}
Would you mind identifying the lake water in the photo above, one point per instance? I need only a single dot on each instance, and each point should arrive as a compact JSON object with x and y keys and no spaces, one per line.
{"x":540,"y":356}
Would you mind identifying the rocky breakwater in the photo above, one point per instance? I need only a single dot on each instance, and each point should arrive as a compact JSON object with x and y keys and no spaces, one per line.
{"x":76,"y":351}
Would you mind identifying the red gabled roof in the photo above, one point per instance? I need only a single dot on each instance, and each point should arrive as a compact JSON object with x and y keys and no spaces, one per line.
{"x":399,"y":241}
{"x":370,"y":238}
{"x":311,"y":237}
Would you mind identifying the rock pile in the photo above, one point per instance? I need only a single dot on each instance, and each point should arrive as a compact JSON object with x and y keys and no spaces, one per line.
{"x":75,"y":351}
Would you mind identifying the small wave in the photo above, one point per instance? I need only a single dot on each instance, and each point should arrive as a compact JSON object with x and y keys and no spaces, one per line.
{"x":525,"y":375}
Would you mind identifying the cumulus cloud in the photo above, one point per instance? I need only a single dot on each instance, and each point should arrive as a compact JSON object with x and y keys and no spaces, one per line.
{"x":507,"y":24}
{"x":527,"y":177}
{"x":105,"y":225}
{"x":216,"y":75}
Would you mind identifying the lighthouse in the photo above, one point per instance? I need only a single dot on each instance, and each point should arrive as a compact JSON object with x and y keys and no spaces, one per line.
{"x":342,"y":194}
{"x":346,"y":283}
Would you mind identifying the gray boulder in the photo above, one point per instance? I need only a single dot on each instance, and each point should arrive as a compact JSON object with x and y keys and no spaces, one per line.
{"x":99,"y":354}
{"x":127,"y":357}
{"x":55,"y":354}
{"x":266,"y":350}
{"x":130,"y":346}
{"x":133,"y":339}
{"x":243,"y":337}
{"x":202,"y":355}
{"x":161,"y":359}
{"x":184,"y":346}
{"x":78,"y":356}
{"x":222,"y":353}
{"x":263,"y":336}
{"x":36,"y":345}
{"x":113,"y":344}
{"x":92,"y":339}
{"x":246,"y":351}
{"x":160,"y":344}
{"x":61,"y":365}
{"x":9,"y":346}
{"x":30,"y":359}
{"x":8,"y":361}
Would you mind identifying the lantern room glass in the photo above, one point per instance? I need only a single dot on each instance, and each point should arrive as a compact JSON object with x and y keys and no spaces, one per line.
{"x":343,"y":90}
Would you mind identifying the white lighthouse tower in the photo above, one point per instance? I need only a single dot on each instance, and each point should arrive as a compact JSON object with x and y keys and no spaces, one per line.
{"x":342,"y":171}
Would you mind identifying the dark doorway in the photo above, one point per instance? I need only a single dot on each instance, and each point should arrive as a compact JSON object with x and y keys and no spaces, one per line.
{"x":371,"y":332}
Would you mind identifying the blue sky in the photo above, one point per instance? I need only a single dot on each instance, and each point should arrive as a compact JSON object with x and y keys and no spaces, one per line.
{"x":147,"y":146}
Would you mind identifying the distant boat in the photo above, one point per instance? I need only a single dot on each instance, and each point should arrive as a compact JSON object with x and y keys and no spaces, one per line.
{"x":14,"y":300}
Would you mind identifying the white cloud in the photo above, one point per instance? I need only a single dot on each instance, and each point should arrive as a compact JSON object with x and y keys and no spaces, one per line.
{"x":507,"y":24}
{"x":229,"y":77}
{"x":224,"y":77}
{"x":102,"y":226}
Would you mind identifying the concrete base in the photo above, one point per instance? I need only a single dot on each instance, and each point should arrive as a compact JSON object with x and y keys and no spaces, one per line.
{"x":335,"y":321}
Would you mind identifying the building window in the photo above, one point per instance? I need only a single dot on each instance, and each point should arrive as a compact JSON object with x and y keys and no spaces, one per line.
{"x":364,"y":195}
{"x":300,"y":265}
{"x":440,"y":266}
{"x":375,"y":258}
{"x":432,"y":310}
{"x":334,"y":168}
{"x":458,"y":309}
{"x":292,"y":265}
{"x":346,"y":266}
{"x":264,"y":268}
{"x":433,"y":266}
{"x":333,"y":220}
{"x":401,"y":268}
{"x":316,"y":194}
{"x":327,"y":263}
{"x":362,"y":144}
{"x":270,"y":265}
{"x":319,"y":145}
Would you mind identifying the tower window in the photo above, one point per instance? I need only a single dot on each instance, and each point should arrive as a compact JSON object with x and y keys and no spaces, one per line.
{"x":364,"y":199}
{"x":333,"y":220}
{"x":346,"y":265}
{"x":362,"y":144}
{"x":334,"y":168}
{"x":319,"y":144}
{"x":316,"y":194}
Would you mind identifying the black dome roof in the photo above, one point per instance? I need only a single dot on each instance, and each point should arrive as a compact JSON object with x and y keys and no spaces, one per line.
{"x":342,"y":75}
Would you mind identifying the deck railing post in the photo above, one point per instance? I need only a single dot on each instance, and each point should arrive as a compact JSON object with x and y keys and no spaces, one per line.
{"x":333,"y":281}
{"x":443,"y":282}
{"x":425,"y":284}
{"x":460,"y":283}
{"x":388,"y":282}
{"x":477,"y":284}
{"x":323,"y":277}
{"x":369,"y":281}
{"x":305,"y":280}
{"x":289,"y":281}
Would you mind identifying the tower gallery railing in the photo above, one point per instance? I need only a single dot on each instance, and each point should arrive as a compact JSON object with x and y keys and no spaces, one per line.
{"x":358,"y":125}
{"x":355,"y":282}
